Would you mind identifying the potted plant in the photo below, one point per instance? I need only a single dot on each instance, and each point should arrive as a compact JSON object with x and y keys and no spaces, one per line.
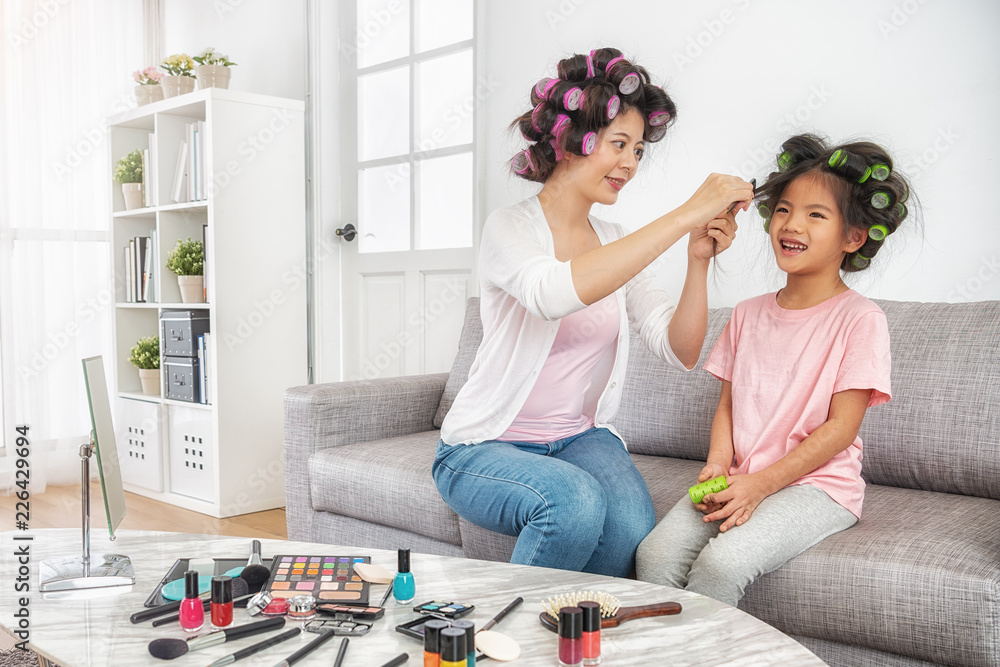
{"x":213,"y":69}
{"x":128,"y":172}
{"x":149,"y":89}
{"x":146,"y":357}
{"x":180,"y":75}
{"x":187,"y":260}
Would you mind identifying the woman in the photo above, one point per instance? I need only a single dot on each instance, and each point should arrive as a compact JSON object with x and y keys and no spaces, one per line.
{"x":527,"y":448}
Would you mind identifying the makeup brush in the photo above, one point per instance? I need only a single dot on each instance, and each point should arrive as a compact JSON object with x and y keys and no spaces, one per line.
{"x":256,"y":648}
{"x":398,"y":660}
{"x":324,"y":637}
{"x":341,"y":653}
{"x":169,"y":648}
{"x":612,"y":613}
{"x":255,"y":573}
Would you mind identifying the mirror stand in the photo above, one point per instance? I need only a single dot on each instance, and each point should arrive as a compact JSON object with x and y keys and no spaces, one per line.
{"x":80,"y":572}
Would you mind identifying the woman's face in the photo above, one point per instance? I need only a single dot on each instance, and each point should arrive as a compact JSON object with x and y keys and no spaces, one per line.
{"x":601,"y":175}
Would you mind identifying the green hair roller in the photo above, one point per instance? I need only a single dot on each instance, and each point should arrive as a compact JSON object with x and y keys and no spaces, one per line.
{"x":878,"y":232}
{"x":764,"y":211}
{"x":880,"y":200}
{"x":864,"y":176}
{"x":714,"y":485}
{"x":767,"y":226}
{"x":784,"y":161}
{"x":880,"y":172}
{"x":900,"y":210}
{"x":860,"y":261}
{"x":838,"y":159}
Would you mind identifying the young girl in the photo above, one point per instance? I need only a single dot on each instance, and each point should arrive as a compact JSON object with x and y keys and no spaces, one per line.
{"x":527,"y":448}
{"x":799,"y":368}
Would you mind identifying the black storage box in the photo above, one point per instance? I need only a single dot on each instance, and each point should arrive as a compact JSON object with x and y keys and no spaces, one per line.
{"x":181,"y":378}
{"x":179,"y":331}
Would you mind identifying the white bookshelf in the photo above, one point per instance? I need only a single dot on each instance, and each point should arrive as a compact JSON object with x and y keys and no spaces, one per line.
{"x":225,"y":458}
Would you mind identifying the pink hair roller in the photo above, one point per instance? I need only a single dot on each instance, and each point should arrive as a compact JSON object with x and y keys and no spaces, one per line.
{"x":547,"y":89}
{"x":561,"y":125}
{"x":657,"y":133}
{"x":555,"y":147}
{"x":522,"y":162}
{"x":629,"y":84}
{"x":612,"y":63}
{"x":589,"y":143}
{"x":590,"y":65}
{"x":614,"y":104}
{"x":659,"y":118}
{"x":573,"y":99}
{"x":535,"y":113}
{"x":540,"y":86}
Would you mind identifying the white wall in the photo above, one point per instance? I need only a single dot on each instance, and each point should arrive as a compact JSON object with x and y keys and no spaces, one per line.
{"x":265,"y":38}
{"x":919,"y":76}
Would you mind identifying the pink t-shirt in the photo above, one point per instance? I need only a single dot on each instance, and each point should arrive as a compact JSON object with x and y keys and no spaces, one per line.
{"x":554,"y":408}
{"x":786,"y":365}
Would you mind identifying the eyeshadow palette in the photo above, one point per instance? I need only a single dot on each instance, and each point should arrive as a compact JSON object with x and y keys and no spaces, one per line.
{"x":446,"y":609}
{"x":357,"y":613}
{"x":340,"y":628}
{"x":326,"y":578}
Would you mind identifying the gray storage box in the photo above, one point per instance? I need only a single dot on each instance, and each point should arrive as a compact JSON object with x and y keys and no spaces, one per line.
{"x":179,"y":331}
{"x":181,"y":378}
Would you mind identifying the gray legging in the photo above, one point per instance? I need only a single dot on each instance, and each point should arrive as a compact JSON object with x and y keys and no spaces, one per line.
{"x":685,"y":552}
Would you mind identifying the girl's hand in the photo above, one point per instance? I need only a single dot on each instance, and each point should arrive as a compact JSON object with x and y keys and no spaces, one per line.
{"x":738,"y":502}
{"x":707,"y":241}
{"x":714,"y":197}
{"x":710,"y":471}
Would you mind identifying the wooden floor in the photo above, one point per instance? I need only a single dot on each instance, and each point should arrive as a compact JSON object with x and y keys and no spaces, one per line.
{"x":59,"y":507}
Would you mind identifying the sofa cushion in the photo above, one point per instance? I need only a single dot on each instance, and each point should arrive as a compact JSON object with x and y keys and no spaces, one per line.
{"x":918,"y":575}
{"x":387,"y":482}
{"x":941,"y":430}
{"x":468,"y":345}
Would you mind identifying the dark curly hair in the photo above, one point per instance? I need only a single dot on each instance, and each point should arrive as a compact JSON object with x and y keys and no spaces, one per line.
{"x":569,"y":111}
{"x":870,"y":193}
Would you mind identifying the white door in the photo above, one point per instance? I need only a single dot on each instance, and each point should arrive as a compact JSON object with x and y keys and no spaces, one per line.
{"x":408,"y":96}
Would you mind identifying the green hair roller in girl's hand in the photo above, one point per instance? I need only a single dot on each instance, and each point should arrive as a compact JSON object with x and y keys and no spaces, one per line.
{"x":878,"y":232}
{"x":699,"y":491}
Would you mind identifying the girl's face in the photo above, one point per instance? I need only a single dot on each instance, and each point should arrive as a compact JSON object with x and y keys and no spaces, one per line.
{"x":601,"y":175}
{"x":807,"y":229}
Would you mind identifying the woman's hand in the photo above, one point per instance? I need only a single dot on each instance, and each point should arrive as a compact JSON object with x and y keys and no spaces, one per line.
{"x":713,"y":198}
{"x":707,"y":241}
{"x":737,"y":503}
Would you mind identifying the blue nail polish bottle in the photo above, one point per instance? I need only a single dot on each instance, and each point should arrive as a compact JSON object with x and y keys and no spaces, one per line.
{"x":403,"y":586}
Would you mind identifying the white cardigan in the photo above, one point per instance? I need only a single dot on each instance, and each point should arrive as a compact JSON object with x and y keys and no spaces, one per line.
{"x":524,"y":291}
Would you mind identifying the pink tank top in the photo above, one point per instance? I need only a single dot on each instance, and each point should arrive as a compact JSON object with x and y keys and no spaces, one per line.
{"x":554,"y":408}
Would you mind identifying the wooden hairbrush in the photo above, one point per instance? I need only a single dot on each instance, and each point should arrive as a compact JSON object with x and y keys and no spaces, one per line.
{"x":612,"y":613}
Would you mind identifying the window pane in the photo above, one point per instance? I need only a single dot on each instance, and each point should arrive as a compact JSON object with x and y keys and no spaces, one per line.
{"x":444,"y":101}
{"x":383,"y":107}
{"x":383,"y":31}
{"x":442,"y":22}
{"x":384,"y":211}
{"x":444,"y":202}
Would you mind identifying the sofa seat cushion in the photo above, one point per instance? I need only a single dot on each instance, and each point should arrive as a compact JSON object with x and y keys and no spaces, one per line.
{"x":387,"y":482}
{"x":918,"y":575}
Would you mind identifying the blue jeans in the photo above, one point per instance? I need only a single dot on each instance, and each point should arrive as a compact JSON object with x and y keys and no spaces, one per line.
{"x":574,"y":504}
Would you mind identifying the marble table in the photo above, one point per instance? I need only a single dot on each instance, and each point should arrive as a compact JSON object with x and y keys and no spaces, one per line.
{"x":94,"y":630}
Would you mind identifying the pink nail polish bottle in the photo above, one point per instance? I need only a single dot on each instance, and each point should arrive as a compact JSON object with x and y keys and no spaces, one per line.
{"x":192,"y":610}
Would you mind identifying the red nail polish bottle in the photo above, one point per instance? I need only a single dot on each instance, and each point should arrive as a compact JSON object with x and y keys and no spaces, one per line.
{"x":570,"y":637}
{"x":591,"y":633}
{"x":192,"y":611}
{"x":222,"y":601}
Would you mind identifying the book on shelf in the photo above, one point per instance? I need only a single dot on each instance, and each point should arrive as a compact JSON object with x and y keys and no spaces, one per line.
{"x":178,"y":193}
{"x":202,"y":172}
{"x":202,"y":398}
{"x":147,"y":267}
{"x":205,"y":368}
{"x":204,"y":261}
{"x":154,"y":198}
{"x":139,"y":259}
{"x":154,"y":244}
{"x":145,"y":178}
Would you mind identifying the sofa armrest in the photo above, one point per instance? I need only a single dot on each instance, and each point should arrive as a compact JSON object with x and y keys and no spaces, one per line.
{"x":340,"y":413}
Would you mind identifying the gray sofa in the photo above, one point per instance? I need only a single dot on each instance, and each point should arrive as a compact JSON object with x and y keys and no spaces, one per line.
{"x":915,"y":582}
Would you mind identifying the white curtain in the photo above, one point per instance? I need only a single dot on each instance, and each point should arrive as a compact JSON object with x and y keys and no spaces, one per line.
{"x":67,"y":66}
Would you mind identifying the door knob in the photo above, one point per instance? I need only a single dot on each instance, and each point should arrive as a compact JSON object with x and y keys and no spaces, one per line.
{"x":348,"y":232}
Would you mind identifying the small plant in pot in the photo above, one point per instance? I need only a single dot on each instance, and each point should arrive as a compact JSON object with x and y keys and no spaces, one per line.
{"x":187,"y":260}
{"x":213,"y":69}
{"x":128,"y":172}
{"x":149,"y":89}
{"x":146,"y":357}
{"x":180,"y":75}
